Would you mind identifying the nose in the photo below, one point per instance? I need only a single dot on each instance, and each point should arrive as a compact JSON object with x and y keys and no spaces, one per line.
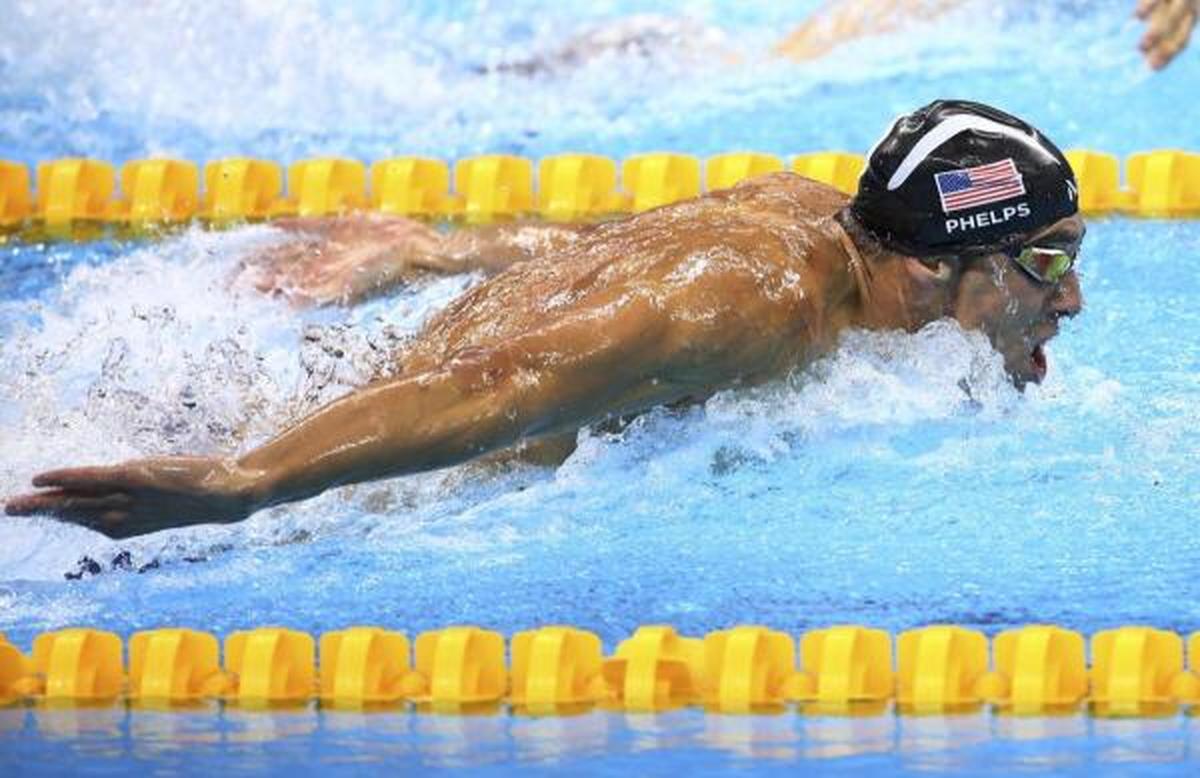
{"x":1068,"y":298}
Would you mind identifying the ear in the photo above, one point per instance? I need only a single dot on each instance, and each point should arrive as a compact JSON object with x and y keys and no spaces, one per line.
{"x":932,"y":284}
{"x":937,"y":271}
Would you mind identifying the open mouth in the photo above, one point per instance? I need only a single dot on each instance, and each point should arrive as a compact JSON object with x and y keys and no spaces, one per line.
{"x":1038,"y":358}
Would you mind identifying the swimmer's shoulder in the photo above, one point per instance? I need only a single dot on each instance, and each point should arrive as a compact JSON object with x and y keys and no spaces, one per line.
{"x":788,"y":194}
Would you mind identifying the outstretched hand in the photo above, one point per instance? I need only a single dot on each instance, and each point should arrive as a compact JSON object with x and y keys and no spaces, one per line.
{"x":1169,"y":25}
{"x":141,"y":496}
{"x":342,"y":259}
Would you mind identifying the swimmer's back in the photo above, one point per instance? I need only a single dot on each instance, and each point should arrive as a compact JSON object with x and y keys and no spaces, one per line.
{"x":762,"y":230}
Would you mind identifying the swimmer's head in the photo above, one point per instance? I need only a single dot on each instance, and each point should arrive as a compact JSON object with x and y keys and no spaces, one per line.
{"x":959,"y":176}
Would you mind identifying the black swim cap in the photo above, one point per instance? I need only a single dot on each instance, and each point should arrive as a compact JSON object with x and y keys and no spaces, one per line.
{"x":958,"y":175}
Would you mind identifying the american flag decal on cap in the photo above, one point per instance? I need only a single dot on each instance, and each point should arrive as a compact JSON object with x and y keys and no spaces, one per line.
{"x":975,"y":186}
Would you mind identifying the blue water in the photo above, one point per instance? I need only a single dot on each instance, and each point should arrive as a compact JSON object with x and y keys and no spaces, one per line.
{"x":681,"y":742}
{"x":868,"y":489}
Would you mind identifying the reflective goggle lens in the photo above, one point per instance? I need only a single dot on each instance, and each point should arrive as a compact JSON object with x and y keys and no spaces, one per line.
{"x":1046,"y":265}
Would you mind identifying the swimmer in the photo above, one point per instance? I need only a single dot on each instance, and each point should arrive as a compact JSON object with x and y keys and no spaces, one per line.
{"x":963,"y":212}
{"x":1169,"y":25}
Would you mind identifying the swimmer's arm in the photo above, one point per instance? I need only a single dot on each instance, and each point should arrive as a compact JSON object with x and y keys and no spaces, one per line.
{"x":569,"y":373}
{"x":347,"y":259}
{"x":839,"y":21}
{"x":625,"y":355}
{"x":492,"y":249}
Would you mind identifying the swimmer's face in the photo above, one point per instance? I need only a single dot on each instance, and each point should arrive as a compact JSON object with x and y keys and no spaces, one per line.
{"x":1018,"y":313}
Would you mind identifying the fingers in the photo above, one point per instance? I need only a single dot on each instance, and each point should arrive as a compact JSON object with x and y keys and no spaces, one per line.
{"x":23,"y":505}
{"x":1154,"y":28}
{"x":1146,"y":7}
{"x":108,"y":515}
{"x":1169,"y":22}
{"x":1174,"y":42}
{"x":69,"y":505}
{"x":91,"y":480}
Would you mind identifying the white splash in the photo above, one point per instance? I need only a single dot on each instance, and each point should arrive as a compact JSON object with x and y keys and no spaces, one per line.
{"x":154,"y":353}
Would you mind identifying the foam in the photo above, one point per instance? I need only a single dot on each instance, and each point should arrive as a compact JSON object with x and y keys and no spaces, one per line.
{"x":154,"y":353}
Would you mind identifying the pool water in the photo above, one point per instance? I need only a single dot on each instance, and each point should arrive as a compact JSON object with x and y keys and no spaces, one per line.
{"x":900,"y":482}
{"x":681,"y":742}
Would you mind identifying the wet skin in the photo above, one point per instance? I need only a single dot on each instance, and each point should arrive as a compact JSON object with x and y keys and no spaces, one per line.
{"x":576,"y":326}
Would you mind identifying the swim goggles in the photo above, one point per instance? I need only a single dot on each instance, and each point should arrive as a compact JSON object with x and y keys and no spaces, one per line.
{"x":1042,"y":264}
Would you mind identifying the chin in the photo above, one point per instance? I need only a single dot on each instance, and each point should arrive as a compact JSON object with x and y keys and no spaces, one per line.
{"x":1029,"y":368}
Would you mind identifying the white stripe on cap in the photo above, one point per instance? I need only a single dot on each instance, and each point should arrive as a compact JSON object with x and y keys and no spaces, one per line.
{"x":944,"y":132}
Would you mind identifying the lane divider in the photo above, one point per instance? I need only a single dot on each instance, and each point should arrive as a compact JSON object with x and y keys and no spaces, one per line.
{"x":1039,"y":669}
{"x":494,"y":187}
